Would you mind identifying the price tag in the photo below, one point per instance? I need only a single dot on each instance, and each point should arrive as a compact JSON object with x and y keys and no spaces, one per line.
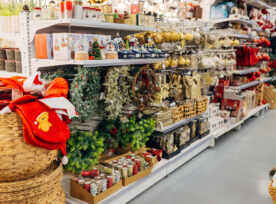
{"x":102,"y":96}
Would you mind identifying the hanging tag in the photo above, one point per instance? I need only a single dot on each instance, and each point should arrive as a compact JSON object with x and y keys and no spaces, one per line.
{"x":140,"y":115}
{"x":102,"y":96}
{"x":124,"y":119}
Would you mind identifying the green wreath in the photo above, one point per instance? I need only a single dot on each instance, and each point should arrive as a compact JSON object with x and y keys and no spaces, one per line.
{"x":85,"y":92}
{"x":83,"y":150}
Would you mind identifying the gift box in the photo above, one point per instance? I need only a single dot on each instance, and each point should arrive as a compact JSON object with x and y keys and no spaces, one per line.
{"x":64,"y":44}
{"x":234,"y":106}
{"x":44,"y":46}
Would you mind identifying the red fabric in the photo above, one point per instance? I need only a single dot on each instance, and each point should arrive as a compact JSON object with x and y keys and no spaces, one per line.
{"x":58,"y":87}
{"x":13,"y":82}
{"x":42,"y":126}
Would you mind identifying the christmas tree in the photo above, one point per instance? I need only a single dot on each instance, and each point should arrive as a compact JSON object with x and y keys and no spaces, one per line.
{"x":96,"y":50}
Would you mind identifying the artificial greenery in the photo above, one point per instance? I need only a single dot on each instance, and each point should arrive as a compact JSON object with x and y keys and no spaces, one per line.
{"x":110,"y":133}
{"x":85,"y":92}
{"x":118,"y":91}
{"x":136,"y":132}
{"x":63,"y":72}
{"x":83,"y":150}
{"x":13,"y":7}
{"x":119,"y":134}
{"x":96,"y":50}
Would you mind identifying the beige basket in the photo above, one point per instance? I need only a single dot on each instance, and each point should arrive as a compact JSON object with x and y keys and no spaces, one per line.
{"x":18,"y":159}
{"x":270,"y":96}
{"x":43,"y":188}
{"x":272,"y":192}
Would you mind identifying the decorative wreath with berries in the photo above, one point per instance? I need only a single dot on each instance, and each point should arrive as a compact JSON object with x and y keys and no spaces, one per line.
{"x":85,"y":92}
{"x":144,"y":87}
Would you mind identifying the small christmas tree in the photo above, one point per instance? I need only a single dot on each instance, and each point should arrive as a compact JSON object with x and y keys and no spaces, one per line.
{"x":96,"y":50}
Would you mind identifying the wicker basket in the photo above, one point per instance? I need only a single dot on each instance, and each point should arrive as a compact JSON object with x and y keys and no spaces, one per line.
{"x":201,"y":105}
{"x":43,"y":188}
{"x":270,"y":96}
{"x":18,"y":159}
{"x":272,"y":192}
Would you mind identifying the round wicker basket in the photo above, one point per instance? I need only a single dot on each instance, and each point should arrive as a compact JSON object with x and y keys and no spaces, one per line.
{"x":43,"y":188}
{"x":18,"y":159}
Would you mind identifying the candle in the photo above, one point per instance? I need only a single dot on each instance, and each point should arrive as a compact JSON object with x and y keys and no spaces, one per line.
{"x":124,"y":172}
{"x":69,"y":9}
{"x":109,"y":181}
{"x":135,"y":169}
{"x":138,"y":163}
{"x":86,"y":186}
{"x":129,"y":170}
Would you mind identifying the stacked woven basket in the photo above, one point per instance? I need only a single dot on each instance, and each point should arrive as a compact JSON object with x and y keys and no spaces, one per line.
{"x":28,"y":174}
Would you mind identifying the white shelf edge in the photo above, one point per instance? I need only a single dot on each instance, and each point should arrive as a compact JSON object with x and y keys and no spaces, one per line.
{"x":37,"y":25}
{"x":258,"y":4}
{"x":38,"y":63}
{"x":177,"y":124}
{"x":235,"y":20}
{"x":253,"y":83}
{"x":10,"y":74}
{"x":245,"y":71}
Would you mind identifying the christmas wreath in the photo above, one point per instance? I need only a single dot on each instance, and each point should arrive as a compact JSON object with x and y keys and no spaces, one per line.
{"x":117,"y":91}
{"x":85,"y":92}
{"x":83,"y":151}
{"x":144,"y":87}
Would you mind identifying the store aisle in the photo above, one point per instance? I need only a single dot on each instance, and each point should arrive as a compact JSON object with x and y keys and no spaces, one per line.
{"x":234,"y":172}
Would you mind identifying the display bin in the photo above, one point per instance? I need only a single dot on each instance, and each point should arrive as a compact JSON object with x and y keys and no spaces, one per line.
{"x":77,"y":191}
{"x":129,"y":180}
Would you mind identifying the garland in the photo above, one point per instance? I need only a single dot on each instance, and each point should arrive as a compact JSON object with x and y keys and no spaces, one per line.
{"x":61,"y":72}
{"x":85,"y":92}
{"x":118,"y":91}
{"x":83,"y":151}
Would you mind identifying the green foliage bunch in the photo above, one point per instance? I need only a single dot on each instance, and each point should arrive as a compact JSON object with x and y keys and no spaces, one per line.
{"x":83,"y":150}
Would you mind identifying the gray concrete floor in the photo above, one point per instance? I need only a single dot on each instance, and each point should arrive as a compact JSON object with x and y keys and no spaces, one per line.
{"x":234,"y":172}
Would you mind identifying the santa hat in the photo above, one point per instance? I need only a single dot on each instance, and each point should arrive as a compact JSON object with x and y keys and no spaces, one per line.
{"x":34,"y":84}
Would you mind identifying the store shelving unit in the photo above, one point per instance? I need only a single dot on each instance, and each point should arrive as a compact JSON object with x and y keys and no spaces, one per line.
{"x":37,"y":25}
{"x":245,"y":71}
{"x":253,"y":83}
{"x":10,"y":74}
{"x":258,"y":3}
{"x":234,"y":20}
{"x":37,"y":63}
{"x":177,"y":125}
{"x":165,"y":167}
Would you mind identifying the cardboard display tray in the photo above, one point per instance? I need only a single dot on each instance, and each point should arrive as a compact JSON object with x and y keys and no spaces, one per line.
{"x":138,"y":176}
{"x":79,"y":192}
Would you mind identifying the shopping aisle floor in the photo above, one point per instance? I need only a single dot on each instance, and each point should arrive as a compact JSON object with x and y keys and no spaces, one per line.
{"x":234,"y":172}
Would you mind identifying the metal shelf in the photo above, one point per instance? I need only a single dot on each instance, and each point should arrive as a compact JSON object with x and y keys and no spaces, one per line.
{"x":221,"y":132}
{"x":258,"y":3}
{"x":253,"y":83}
{"x":36,"y":25}
{"x":234,"y":20}
{"x":176,"y":125}
{"x":11,"y":36}
{"x":245,"y":71}
{"x":10,"y":74}
{"x":37,"y":63}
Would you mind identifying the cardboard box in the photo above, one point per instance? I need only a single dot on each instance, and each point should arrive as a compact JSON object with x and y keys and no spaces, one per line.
{"x":64,"y":45}
{"x":235,"y":107}
{"x":44,"y":46}
{"x":138,"y":176}
{"x":79,"y":192}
